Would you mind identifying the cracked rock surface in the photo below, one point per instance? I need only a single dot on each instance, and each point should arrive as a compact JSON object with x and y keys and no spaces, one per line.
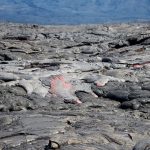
{"x":81,"y":87}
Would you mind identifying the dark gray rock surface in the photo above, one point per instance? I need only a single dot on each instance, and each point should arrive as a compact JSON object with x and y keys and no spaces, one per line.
{"x":142,"y":145}
{"x":83,"y":87}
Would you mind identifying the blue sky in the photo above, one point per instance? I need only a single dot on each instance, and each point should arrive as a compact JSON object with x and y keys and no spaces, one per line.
{"x":74,"y":11}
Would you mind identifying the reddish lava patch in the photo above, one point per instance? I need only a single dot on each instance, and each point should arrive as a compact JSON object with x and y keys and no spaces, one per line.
{"x":64,"y":89}
{"x":137,"y":66}
{"x":59,"y":82}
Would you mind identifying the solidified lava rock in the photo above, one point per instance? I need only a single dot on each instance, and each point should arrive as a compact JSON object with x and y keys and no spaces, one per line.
{"x":47,"y":71}
{"x":142,"y":145}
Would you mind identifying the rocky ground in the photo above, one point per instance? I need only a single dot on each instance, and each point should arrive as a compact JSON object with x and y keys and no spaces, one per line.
{"x":81,"y":87}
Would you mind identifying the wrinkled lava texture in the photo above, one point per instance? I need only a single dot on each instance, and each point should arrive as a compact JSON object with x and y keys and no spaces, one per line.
{"x":84,"y":87}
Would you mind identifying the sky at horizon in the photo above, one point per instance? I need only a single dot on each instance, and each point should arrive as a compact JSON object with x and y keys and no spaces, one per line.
{"x":74,"y":12}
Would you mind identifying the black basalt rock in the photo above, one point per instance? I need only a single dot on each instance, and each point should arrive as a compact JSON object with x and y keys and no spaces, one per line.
{"x":139,"y":94}
{"x":131,"y":105}
{"x":118,"y":95}
{"x":105,"y":59}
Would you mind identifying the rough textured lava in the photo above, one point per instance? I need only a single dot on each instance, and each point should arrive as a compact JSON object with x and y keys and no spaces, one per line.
{"x":84,"y":87}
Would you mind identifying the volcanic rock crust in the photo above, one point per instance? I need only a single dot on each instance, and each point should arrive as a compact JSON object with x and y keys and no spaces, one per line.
{"x":84,"y":87}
